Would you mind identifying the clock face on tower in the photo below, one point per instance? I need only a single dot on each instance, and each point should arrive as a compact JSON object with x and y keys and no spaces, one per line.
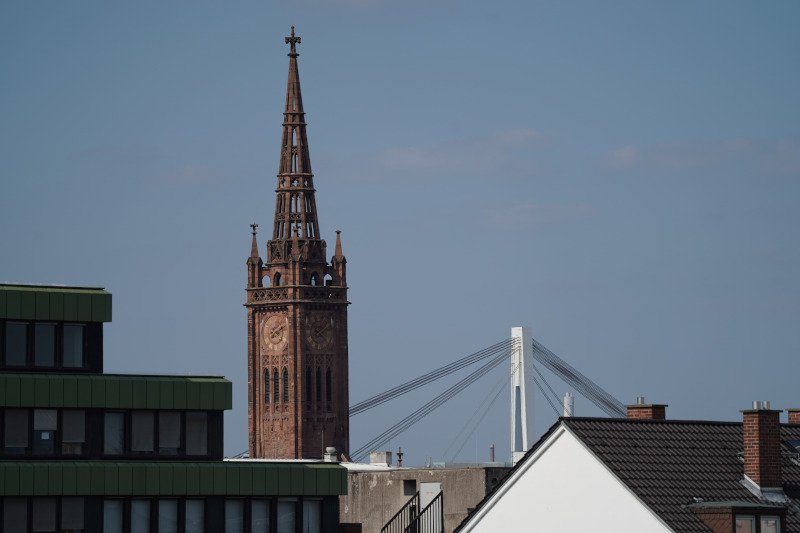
{"x":320,"y":332}
{"x":273,"y":332}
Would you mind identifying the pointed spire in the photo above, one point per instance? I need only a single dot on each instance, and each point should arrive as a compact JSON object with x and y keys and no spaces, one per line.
{"x":338,"y":252}
{"x":254,"y":244}
{"x":296,"y":209}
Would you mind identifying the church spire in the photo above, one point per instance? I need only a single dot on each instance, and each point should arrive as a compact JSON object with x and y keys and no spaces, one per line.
{"x":296,"y":313}
{"x":295,"y":210}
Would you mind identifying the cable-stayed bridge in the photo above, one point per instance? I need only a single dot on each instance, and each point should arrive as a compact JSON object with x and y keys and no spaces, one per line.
{"x":519,"y":352}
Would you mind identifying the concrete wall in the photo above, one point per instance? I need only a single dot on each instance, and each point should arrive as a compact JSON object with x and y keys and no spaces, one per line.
{"x":373,"y":497}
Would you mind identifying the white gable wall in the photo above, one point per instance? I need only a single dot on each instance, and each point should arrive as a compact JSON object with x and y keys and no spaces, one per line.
{"x":564,"y":487}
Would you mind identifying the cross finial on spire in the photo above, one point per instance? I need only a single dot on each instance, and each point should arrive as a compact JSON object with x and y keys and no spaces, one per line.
{"x":292,"y":40}
{"x":254,"y":226}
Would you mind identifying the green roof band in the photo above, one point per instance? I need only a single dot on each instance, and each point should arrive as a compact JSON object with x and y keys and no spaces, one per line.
{"x":137,"y":478}
{"x":60,"y":304}
{"x":115,"y":391}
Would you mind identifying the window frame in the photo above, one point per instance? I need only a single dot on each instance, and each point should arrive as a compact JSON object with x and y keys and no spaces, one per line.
{"x":87,"y":363}
{"x":777,"y":518}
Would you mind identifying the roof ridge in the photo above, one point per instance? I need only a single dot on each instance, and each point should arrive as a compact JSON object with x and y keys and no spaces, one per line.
{"x":645,"y":421}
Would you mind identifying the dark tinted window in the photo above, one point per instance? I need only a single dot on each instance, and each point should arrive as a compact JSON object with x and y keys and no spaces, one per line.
{"x":15,"y":434}
{"x":73,"y":346}
{"x":196,"y":433}
{"x":15,"y":515}
{"x":114,"y":436}
{"x":44,"y":514}
{"x":44,"y":344}
{"x":73,"y":433}
{"x":72,"y":514}
{"x":142,"y":431}
{"x":169,"y":432}
{"x":45,"y":422}
{"x":16,"y":343}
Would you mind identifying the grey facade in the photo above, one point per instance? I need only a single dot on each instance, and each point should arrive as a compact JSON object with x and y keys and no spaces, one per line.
{"x":375,"y":494}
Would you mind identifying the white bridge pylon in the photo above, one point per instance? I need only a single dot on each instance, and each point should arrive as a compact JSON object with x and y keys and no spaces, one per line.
{"x":521,"y":402}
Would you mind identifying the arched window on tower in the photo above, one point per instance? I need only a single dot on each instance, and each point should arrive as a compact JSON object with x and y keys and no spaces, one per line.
{"x":265,"y":282}
{"x":319,"y":385}
{"x":285,"y":385}
{"x":276,"y":279}
{"x":308,"y":386}
{"x":328,"y":387}
{"x":266,"y":385}
{"x":313,"y":279}
{"x":328,"y":280}
{"x":275,"y":384}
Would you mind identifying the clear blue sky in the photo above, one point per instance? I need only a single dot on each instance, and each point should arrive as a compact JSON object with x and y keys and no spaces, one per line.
{"x":622,"y":177}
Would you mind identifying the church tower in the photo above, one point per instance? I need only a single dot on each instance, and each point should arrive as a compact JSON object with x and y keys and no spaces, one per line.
{"x":296,"y":312}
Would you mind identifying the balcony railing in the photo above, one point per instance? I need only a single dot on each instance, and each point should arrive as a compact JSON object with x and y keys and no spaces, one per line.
{"x":409,"y":519}
{"x":402,"y":519}
{"x":299,"y":292}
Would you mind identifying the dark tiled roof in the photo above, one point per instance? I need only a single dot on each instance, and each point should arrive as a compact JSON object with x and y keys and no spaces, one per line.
{"x":671,"y":464}
{"x":668,"y":464}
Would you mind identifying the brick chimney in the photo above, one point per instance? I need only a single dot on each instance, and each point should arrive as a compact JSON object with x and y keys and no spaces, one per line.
{"x":761,"y":432}
{"x":646,"y":411}
{"x":794,"y":416}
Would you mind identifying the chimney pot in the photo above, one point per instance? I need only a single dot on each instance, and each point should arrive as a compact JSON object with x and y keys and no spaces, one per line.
{"x":794,"y":416}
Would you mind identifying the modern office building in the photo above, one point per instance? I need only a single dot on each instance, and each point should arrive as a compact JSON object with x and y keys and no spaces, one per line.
{"x":81,"y":450}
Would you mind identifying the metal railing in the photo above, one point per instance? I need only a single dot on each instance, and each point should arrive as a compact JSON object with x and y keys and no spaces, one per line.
{"x":400,"y":522}
{"x":431,"y":519}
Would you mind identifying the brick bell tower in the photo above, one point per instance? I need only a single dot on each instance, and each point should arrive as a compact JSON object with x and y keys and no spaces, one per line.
{"x":296,"y":313}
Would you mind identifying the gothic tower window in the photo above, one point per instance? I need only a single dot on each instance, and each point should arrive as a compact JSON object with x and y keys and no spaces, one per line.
{"x":308,"y":384}
{"x":328,"y":387}
{"x":266,"y":386}
{"x":319,"y":385}
{"x":285,"y":385}
{"x":275,"y":383}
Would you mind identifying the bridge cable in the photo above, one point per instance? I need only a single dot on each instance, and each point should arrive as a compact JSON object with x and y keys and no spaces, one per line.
{"x":478,"y":423}
{"x":567,"y":373}
{"x":488,"y":400}
{"x":546,"y":397}
{"x":427,"y":408}
{"x":589,"y":389}
{"x":555,"y":396}
{"x":433,"y":375}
